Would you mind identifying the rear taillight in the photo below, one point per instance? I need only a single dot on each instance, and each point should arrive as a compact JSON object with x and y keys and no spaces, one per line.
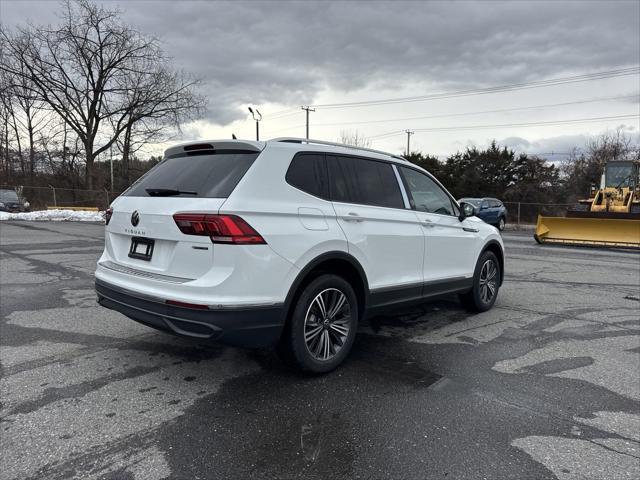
{"x":220,"y":228}
{"x":108,"y":213}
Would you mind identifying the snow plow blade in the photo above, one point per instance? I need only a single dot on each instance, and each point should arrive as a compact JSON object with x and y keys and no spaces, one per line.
{"x":588,"y":232}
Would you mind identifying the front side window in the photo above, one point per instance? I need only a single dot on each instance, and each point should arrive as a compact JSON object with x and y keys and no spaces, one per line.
{"x":426,"y":195}
{"x":368,"y":182}
{"x":308,"y":172}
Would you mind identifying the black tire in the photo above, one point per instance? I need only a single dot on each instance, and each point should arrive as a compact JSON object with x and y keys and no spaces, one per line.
{"x":305,"y":316}
{"x":475,"y":299}
{"x":501,"y":224}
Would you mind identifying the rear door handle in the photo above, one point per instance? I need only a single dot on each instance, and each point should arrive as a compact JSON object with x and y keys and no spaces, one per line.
{"x":352,"y":217}
{"x":427,"y":223}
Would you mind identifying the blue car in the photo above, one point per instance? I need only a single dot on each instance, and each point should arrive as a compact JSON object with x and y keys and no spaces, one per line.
{"x":491,"y":210}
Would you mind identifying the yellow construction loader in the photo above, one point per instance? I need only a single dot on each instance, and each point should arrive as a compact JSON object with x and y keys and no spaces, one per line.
{"x":609,"y":218}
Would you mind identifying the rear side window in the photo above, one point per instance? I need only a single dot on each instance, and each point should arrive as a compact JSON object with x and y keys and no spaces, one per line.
{"x":308,"y":172}
{"x":210,"y":175}
{"x":368,"y":182}
{"x":495,"y":203}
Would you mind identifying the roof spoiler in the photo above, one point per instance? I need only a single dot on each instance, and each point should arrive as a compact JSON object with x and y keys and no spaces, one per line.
{"x":213,"y":145}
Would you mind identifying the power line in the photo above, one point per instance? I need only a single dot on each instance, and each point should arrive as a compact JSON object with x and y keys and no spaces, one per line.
{"x":284,"y":115}
{"x":281,"y":112}
{"x":481,"y":91}
{"x":295,"y":127}
{"x":549,"y":105}
{"x":472,"y":127}
{"x":505,"y":125}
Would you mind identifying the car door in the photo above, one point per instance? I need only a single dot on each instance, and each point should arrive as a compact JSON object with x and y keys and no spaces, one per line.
{"x":449,"y":243}
{"x":485,"y":211}
{"x":383,"y":234}
{"x":494,"y":208}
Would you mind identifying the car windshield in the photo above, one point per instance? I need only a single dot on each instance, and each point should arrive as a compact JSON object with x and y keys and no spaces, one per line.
{"x":619,"y":174}
{"x":8,"y":196}
{"x":473,"y":201}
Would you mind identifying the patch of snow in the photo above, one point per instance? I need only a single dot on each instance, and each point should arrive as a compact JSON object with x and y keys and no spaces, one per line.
{"x":55,"y":216}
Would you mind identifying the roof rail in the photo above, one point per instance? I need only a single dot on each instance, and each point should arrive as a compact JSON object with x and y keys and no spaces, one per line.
{"x":334,"y":144}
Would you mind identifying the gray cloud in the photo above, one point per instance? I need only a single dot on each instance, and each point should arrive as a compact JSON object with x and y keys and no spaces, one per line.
{"x":560,"y":146}
{"x":287,"y":52}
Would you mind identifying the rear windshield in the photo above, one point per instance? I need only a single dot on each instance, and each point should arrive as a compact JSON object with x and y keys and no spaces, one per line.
{"x":211,"y":175}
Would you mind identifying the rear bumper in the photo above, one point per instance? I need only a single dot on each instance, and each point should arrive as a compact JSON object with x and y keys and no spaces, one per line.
{"x":256,"y":326}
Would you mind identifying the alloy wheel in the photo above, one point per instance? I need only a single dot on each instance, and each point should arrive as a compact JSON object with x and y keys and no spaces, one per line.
{"x":488,"y":281}
{"x":327,"y":324}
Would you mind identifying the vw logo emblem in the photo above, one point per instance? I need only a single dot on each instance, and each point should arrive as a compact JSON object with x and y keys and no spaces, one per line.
{"x":135,"y":218}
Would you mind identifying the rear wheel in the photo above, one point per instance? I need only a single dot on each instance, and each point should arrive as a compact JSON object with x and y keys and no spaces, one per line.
{"x":486,"y":283}
{"x":322,"y":326}
{"x":501,"y":224}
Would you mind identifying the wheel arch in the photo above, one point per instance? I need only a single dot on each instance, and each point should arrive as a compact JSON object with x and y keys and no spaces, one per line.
{"x":339,"y":263}
{"x":495,"y":247}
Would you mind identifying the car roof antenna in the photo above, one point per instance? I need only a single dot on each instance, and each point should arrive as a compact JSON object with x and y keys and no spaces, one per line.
{"x":233,"y":136}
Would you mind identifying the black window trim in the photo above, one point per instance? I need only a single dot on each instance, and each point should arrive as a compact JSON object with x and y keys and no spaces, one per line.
{"x":402,"y":186}
{"x":454,"y":202}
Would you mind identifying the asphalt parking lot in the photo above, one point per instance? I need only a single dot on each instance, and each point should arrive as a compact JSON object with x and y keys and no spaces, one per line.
{"x":546,"y":385}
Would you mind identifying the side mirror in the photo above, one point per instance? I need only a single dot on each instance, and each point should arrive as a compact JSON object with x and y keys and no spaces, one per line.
{"x":466,"y":210}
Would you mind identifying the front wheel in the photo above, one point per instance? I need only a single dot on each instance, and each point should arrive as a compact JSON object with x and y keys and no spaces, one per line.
{"x":322,"y":326}
{"x":486,"y":282}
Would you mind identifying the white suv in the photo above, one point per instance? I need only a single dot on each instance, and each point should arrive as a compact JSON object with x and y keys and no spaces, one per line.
{"x":289,"y":242}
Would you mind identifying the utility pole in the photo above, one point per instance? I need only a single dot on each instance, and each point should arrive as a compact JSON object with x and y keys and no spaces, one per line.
{"x":257,"y":116}
{"x":307,"y":109}
{"x":409,"y":133}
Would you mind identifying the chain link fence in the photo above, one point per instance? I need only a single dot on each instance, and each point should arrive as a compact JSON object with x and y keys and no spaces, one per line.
{"x":526,"y":213}
{"x":42,"y":198}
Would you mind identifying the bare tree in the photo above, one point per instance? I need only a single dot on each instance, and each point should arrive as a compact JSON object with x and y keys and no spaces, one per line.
{"x":161,"y":99}
{"x":354,"y":138}
{"x":28,"y":116}
{"x":7,"y":136}
{"x":611,"y":146}
{"x":584,"y":169}
{"x":83,"y":69}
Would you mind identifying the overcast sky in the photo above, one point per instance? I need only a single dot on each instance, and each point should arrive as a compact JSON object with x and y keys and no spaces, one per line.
{"x":279,"y":56}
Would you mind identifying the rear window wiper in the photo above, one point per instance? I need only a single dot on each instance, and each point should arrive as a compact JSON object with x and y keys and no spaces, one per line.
{"x":167,"y":192}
